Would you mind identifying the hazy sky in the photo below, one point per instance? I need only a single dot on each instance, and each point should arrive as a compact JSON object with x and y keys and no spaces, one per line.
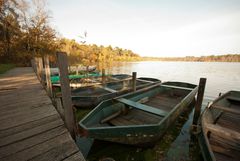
{"x":153,"y":27}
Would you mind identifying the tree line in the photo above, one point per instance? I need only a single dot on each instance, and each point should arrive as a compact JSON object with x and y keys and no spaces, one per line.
{"x":211,"y":58}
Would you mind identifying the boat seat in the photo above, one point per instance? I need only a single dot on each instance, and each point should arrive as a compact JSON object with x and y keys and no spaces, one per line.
{"x":233,"y":98}
{"x":219,"y":130}
{"x":177,"y":87}
{"x":142,"y":107}
{"x":109,"y":89}
{"x":227,"y":109}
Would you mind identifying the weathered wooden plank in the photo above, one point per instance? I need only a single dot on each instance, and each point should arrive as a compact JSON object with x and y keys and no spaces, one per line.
{"x":15,"y":107}
{"x":110,"y":117}
{"x":227,"y":109}
{"x":30,"y":132}
{"x":11,"y":122}
{"x":119,"y":121}
{"x":230,"y":121}
{"x":227,"y":146}
{"x":28,"y":125}
{"x":140,"y":113}
{"x":42,"y":108}
{"x":167,"y":100}
{"x":28,"y":111}
{"x":58,"y":152}
{"x":218,"y":130}
{"x":21,"y":97}
{"x":158,"y":105}
{"x":75,"y":157}
{"x":145,"y":117}
{"x":12,"y":149}
{"x":143,"y":107}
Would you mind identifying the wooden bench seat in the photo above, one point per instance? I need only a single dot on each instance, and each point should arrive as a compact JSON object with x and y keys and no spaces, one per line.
{"x":143,"y":107}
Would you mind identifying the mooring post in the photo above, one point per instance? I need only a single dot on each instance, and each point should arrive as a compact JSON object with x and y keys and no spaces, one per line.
{"x":134,"y":77}
{"x":198,"y":105}
{"x":77,"y":70}
{"x":33,"y":64}
{"x":41,"y":69}
{"x":36,"y":66}
{"x":103,"y":77}
{"x":47,"y":75}
{"x":66,"y":92}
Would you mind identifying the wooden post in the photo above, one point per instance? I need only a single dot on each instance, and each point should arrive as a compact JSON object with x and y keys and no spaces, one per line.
{"x":33,"y":62}
{"x":36,"y":66}
{"x":59,"y":107}
{"x":41,"y":70}
{"x":134,"y":77}
{"x":47,"y":75}
{"x":103,"y":77}
{"x":66,"y":92}
{"x":77,"y":70}
{"x":198,"y":105}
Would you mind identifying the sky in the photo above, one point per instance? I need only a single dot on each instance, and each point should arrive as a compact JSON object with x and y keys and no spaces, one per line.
{"x":159,"y":28}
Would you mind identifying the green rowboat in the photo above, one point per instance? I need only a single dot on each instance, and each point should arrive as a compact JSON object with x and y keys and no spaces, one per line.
{"x":55,"y":79}
{"x":141,"y":117}
{"x":91,"y":96}
{"x":219,"y":138}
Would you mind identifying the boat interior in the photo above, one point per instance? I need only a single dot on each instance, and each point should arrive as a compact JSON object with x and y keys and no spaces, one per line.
{"x":111,"y":87}
{"x":223,"y":130}
{"x":148,"y":107}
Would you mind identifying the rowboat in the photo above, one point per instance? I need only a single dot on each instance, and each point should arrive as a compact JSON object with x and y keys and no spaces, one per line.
{"x":141,"y":117}
{"x":77,"y":81}
{"x":219,"y":138}
{"x":91,"y":96}
{"x":55,"y":78}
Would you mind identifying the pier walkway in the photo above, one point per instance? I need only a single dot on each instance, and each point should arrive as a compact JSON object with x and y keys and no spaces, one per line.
{"x":30,"y":127}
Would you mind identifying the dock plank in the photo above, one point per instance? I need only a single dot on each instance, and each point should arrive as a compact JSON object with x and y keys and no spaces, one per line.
{"x":74,"y":157}
{"x":30,"y":132}
{"x":30,"y":127}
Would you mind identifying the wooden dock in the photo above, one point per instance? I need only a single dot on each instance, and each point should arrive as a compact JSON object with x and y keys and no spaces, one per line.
{"x":30,"y":127}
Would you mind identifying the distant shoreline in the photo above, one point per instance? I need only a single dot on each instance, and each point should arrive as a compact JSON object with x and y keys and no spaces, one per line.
{"x":211,"y":58}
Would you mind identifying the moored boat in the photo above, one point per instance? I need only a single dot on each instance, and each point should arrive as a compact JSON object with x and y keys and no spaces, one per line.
{"x":91,"y":96}
{"x":219,"y":138}
{"x":141,"y":117}
{"x":79,"y":81}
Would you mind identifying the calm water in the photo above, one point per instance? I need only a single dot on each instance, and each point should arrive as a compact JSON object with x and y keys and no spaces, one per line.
{"x":177,"y":144}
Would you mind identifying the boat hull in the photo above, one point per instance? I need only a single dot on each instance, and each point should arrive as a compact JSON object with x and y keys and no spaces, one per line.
{"x":219,"y":135}
{"x":135,"y":134}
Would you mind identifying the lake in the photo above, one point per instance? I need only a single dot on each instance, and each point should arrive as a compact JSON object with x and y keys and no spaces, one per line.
{"x":177,"y":144}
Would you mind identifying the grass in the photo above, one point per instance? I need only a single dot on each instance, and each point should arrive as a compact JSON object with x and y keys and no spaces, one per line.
{"x":5,"y":67}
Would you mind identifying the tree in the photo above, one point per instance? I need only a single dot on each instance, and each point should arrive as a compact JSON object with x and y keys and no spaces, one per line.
{"x":25,"y":30}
